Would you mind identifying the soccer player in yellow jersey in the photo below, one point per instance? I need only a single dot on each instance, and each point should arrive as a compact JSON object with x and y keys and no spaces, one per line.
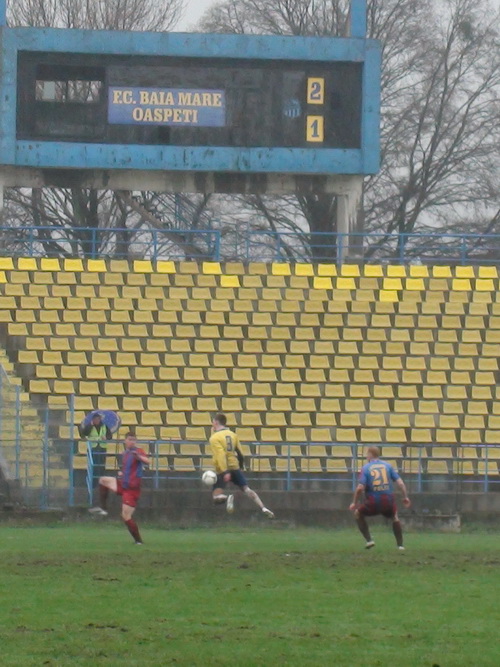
{"x":228,"y":461}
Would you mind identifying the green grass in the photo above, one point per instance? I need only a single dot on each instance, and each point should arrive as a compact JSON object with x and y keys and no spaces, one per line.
{"x":85,"y":595}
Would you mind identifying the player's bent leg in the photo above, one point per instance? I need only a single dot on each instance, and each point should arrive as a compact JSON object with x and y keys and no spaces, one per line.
{"x":219,"y":497}
{"x":109,"y":483}
{"x":255,"y":498}
{"x":363,"y":529}
{"x":106,"y":484}
{"x":398,"y":532}
{"x":133,"y":529}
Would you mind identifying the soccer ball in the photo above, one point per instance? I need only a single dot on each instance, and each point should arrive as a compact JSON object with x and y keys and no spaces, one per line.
{"x":209,"y":477}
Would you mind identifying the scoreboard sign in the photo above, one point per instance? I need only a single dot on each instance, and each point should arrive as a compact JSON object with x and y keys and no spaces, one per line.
{"x":87,"y":104}
{"x":190,"y":102}
{"x":166,"y":106}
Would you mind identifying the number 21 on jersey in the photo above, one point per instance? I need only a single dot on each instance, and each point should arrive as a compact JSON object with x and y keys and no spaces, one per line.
{"x":380,"y":479}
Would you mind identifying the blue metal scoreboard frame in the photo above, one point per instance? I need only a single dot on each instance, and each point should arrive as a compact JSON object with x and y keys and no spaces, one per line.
{"x":313,"y":160}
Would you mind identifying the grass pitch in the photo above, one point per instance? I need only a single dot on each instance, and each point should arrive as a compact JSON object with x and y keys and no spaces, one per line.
{"x":85,"y":595}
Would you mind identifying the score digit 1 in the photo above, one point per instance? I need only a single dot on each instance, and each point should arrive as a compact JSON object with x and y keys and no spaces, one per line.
{"x":315,"y":129}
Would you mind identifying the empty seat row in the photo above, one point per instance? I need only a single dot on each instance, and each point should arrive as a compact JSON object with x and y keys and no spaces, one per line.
{"x":308,"y":465}
{"x":234,"y":381}
{"x":239,"y":268}
{"x":34,"y":328}
{"x":108,"y":354}
{"x":176,"y":425}
{"x":114,"y":338}
{"x":293,"y":299}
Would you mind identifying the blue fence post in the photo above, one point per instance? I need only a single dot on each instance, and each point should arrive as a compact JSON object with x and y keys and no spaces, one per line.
{"x":402,"y":248}
{"x":289,"y":469}
{"x":486,"y":476}
{"x":157,"y":472}
{"x":420,"y":468}
{"x":217,"y":245}
{"x":31,"y":242}
{"x":93,"y":252}
{"x":341,"y":238}
{"x":90,"y":473}
{"x":18,"y":431}
{"x":354,"y":465}
{"x":278,"y":248}
{"x":71,"y":481}
{"x":247,"y":248}
{"x":155,"y":245}
{"x":463,"y":250}
{"x":45,"y":457}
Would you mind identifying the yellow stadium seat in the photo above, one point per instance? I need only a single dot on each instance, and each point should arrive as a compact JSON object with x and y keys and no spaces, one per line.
{"x":163,"y":266}
{"x":323,"y":283}
{"x":304,"y":270}
{"x":6,"y":264}
{"x":285,"y":464}
{"x":437,"y":467}
{"x":326,"y":270}
{"x":270,"y":434}
{"x":212,"y":268}
{"x":49,"y":264}
{"x":311,"y":465}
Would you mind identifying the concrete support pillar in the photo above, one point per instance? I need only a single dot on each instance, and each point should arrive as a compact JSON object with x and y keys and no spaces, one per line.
{"x":349,"y":220}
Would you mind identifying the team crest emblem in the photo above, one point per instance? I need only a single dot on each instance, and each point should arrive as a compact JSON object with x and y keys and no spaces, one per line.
{"x":292,"y":108}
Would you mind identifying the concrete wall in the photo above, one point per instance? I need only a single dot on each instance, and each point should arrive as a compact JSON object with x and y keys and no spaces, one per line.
{"x":429,"y":511}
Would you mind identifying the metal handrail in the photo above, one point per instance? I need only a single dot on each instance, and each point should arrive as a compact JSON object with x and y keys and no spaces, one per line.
{"x":240,"y":243}
{"x":420,"y":480}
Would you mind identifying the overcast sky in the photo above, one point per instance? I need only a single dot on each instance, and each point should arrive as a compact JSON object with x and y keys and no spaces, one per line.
{"x":194,"y":11}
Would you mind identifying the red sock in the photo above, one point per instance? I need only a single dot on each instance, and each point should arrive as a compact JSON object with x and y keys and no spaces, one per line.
{"x":133,"y":530}
{"x":103,"y":496}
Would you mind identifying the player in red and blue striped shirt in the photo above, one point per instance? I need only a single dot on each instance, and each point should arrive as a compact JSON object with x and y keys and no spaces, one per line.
{"x":376,"y":481}
{"x":127,"y":485}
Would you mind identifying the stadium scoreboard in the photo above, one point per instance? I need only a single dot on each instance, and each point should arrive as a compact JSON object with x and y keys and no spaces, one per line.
{"x":158,"y":100}
{"x":189,"y":112}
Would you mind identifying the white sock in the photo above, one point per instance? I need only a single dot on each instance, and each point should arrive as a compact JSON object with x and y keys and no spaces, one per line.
{"x":251,"y":494}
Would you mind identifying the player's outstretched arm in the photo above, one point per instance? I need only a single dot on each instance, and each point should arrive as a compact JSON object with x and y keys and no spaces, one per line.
{"x":241,"y":458}
{"x":402,"y":487}
{"x":357,"y":495}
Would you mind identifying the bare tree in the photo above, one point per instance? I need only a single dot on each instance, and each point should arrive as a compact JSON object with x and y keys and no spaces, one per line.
{"x":98,"y":14}
{"x":76,"y":221}
{"x":441,"y":134}
{"x":440,"y":105}
{"x":279,"y":17}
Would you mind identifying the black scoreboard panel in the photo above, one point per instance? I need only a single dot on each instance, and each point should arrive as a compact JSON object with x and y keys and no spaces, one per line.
{"x":65,"y":97}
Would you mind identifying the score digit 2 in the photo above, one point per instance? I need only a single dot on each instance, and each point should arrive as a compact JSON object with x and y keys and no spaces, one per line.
{"x":315,"y":91}
{"x":315,"y":129}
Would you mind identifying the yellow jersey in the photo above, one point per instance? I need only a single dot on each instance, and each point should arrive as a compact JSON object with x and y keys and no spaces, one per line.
{"x":224,"y":444}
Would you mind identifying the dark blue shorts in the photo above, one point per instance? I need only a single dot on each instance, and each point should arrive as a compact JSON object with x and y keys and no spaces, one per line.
{"x":237,"y":478}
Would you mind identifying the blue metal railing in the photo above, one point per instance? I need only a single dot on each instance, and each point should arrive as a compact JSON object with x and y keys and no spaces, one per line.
{"x":239,"y":243}
{"x":413,"y":467}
